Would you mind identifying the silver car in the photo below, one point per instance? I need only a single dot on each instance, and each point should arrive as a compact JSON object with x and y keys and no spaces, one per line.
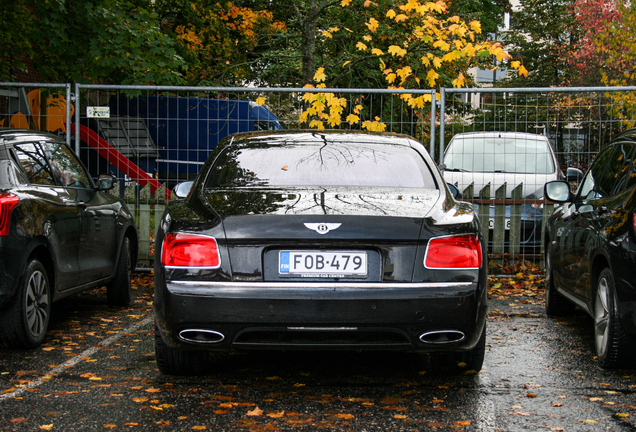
{"x":514,"y":158}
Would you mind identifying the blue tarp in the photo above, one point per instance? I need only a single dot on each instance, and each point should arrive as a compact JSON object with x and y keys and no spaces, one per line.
{"x":187,"y":129}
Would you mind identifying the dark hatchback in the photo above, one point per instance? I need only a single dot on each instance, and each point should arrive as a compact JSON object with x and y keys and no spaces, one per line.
{"x":59,"y":234}
{"x":591,"y":250}
{"x":319,"y":240}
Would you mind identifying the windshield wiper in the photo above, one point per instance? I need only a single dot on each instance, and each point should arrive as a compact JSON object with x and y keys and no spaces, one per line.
{"x":456,"y":169}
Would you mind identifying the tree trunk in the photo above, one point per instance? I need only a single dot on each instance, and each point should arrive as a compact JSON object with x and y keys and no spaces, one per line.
{"x":308,"y":23}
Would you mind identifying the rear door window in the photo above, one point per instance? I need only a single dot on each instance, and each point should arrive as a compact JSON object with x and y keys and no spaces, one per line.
{"x":66,"y":168}
{"x":51,"y":164}
{"x":33,"y":160}
{"x":610,"y":174}
{"x":624,"y":175}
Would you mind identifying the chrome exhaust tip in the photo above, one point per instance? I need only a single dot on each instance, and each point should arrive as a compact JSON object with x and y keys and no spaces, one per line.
{"x":201,"y":336}
{"x":442,"y":336}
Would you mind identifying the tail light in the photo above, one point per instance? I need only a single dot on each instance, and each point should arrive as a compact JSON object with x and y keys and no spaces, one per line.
{"x":454,"y":252}
{"x":7,"y":204}
{"x":190,"y":250}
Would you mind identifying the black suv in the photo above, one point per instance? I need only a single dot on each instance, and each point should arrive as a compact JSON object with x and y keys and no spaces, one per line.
{"x":591,"y":250}
{"x":59,"y":234}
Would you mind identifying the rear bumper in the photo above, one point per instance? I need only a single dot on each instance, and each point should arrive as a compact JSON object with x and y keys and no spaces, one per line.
{"x":421,"y":317}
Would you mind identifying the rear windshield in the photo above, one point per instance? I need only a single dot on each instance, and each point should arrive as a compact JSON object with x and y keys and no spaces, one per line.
{"x":493,"y":154}
{"x":326,"y":164}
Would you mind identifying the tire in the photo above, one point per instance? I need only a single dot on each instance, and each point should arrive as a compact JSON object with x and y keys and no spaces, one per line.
{"x":173,"y":361}
{"x":463,"y":362}
{"x":555,"y":304}
{"x":119,"y":290}
{"x":24,"y":322}
{"x":612,"y":344}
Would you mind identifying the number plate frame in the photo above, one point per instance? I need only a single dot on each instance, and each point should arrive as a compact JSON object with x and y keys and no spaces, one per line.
{"x":491,"y":224}
{"x":323,"y":264}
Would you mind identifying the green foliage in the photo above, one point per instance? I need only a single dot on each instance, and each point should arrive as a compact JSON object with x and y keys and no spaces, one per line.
{"x":205,"y":42}
{"x":91,"y":41}
{"x":542,"y":37}
{"x":285,"y":60}
{"x":14,"y":49}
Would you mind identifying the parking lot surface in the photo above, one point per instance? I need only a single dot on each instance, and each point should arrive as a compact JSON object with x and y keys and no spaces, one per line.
{"x":96,"y":371}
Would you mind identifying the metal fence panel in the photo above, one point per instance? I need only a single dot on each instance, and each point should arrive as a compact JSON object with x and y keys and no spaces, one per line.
{"x":39,"y":106}
{"x":578,"y":123}
{"x":153,"y":137}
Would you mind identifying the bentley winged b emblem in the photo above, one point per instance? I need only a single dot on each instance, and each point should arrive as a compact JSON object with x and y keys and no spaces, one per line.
{"x":322,"y":227}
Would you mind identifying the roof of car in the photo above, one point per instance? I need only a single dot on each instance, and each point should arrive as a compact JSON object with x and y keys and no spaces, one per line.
{"x":304,"y":135}
{"x":500,"y":134}
{"x":629,"y":134}
{"x":11,"y":135}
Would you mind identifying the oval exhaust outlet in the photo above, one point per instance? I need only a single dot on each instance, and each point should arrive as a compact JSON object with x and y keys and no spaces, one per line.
{"x":442,"y":336}
{"x":201,"y":336}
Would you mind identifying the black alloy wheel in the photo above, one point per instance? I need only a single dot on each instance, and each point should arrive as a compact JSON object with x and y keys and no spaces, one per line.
{"x":24,"y":323}
{"x":610,"y":340}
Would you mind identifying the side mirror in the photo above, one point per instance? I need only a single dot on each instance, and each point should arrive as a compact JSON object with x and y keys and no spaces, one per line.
{"x":573,"y":175}
{"x":181,"y":190}
{"x":557,"y":191}
{"x":454,"y":191}
{"x":106,"y":182}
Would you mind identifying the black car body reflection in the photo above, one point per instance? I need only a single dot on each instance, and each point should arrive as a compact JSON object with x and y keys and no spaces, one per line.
{"x":319,"y":240}
{"x":591,"y":250}
{"x":59,"y":234}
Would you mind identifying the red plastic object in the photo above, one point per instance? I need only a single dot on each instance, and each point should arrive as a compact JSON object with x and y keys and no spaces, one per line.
{"x":121,"y":162}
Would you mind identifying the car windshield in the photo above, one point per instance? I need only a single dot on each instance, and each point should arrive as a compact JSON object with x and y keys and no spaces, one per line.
{"x":321,"y":164}
{"x":521,"y":155}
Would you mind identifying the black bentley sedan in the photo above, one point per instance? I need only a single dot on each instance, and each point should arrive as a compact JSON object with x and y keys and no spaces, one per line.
{"x":59,"y":234}
{"x":319,"y":240}
{"x":591,"y":250}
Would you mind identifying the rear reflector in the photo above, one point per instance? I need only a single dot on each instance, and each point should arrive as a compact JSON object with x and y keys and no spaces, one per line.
{"x":454,"y":252}
{"x":190,"y":250}
{"x":7,"y":204}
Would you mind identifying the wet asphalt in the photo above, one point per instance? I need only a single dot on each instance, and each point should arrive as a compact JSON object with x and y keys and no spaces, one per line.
{"x":96,"y":371}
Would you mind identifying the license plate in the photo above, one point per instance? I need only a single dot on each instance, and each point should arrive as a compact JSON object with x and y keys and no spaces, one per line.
{"x":322,"y":263}
{"x":491,"y":223}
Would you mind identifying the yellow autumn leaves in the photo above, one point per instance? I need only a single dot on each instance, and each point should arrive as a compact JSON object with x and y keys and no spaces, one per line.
{"x":416,"y":46}
{"x":446,"y":41}
{"x":328,"y":109}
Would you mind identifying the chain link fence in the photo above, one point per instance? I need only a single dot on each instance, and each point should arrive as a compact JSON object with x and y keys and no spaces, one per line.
{"x":152,"y":138}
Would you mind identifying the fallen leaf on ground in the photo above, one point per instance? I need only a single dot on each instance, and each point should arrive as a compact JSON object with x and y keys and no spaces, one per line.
{"x":255,"y":412}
